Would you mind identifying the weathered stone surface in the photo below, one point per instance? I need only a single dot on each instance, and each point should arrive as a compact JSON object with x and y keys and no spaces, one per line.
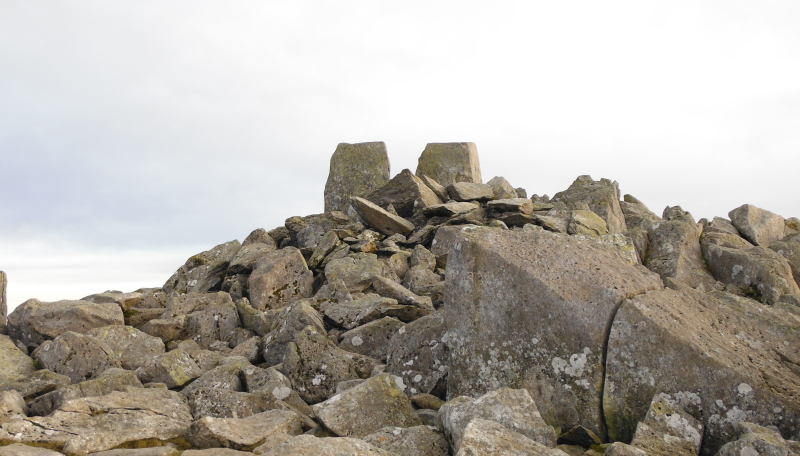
{"x":368,"y":407}
{"x":18,"y":449}
{"x":75,"y":355}
{"x":409,"y":441}
{"x":357,"y":312}
{"x":422,"y":281}
{"x":757,"y":271}
{"x":623,"y":449}
{"x":380,"y":219}
{"x":757,"y":225}
{"x":511,"y":408}
{"x":306,"y":232}
{"x":554,"y":224}
{"x":371,"y":339}
{"x":734,"y":358}
{"x":406,"y":192}
{"x":668,"y":429}
{"x":450,"y":209}
{"x":166,"y":450}
{"x":308,"y":445}
{"x":523,"y":205}
{"x":279,"y":278}
{"x":674,"y":250}
{"x":107,"y":382}
{"x":203,"y":317}
{"x":586,"y":223}
{"x":259,"y":236}
{"x":437,"y":188}
{"x":503,"y":189}
{"x":315,"y":365}
{"x":602,"y":197}
{"x":442,"y":243}
{"x":225,"y":403}
{"x":485,"y":437}
{"x":14,"y":365}
{"x":638,"y":219}
{"x":580,"y":436}
{"x":12,"y":405}
{"x":290,"y":321}
{"x":124,"y":300}
{"x":355,"y":170}
{"x":419,"y":355}
{"x":34,"y":321}
{"x":532,"y":310}
{"x":757,"y":440}
{"x":132,"y":348}
{"x":447,"y":163}
{"x":81,"y":426}
{"x":35,"y":383}
{"x":391,"y":289}
{"x":272,"y":383}
{"x":227,"y":376}
{"x":789,"y":248}
{"x":3,"y":302}
{"x":176,"y":367}
{"x":470,"y":191}
{"x":245,"y":259}
{"x":357,"y":270}
{"x":203,"y":272}
{"x":243,"y":433}
{"x":215,"y":452}
{"x":324,"y":247}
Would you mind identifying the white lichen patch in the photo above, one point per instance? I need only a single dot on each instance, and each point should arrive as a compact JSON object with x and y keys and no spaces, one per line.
{"x":281,"y":392}
{"x":744,"y":388}
{"x":357,"y":341}
{"x":318,"y":379}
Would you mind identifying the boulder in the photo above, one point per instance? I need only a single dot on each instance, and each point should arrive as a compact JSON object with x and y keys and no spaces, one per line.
{"x":259,"y":236}
{"x":579,"y":436}
{"x":470,"y":191}
{"x":789,"y":248}
{"x":450,"y":209}
{"x":371,"y":339}
{"x":166,"y":450}
{"x":523,"y":205}
{"x":357,"y":312}
{"x":503,"y":189}
{"x":3,"y":302}
{"x":486,"y":437}
{"x":601,"y":196}
{"x":243,"y":433}
{"x":406,"y":192}
{"x":14,"y":365}
{"x":623,"y":449}
{"x":638,"y":219}
{"x":308,"y":445}
{"x":513,"y":409}
{"x":246,"y":257}
{"x":12,"y":405}
{"x":381,"y":219}
{"x":357,"y":270}
{"x":290,"y":321}
{"x":447,"y":163}
{"x":391,"y":289}
{"x":204,"y":317}
{"x":419,"y":355}
{"x":674,"y":250}
{"x":279,"y":278}
{"x":107,"y":382}
{"x":730,"y":357}
{"x":355,"y":170}
{"x":34,"y":321}
{"x":668,"y":429}
{"x":35,"y":383}
{"x":226,"y":376}
{"x":440,"y":189}
{"x":368,"y":407}
{"x":177,"y":367}
{"x":409,"y":441}
{"x":759,"y":226}
{"x":203,"y":272}
{"x":532,"y":310}
{"x":75,"y":355}
{"x":273,"y":384}
{"x":87,"y":425}
{"x":18,"y":449}
{"x":325,"y":246}
{"x":443,"y":241}
{"x":756,"y":440}
{"x":124,"y":300}
{"x":225,"y":403}
{"x":586,"y":223}
{"x":306,"y":232}
{"x":132,"y":348}
{"x":757,"y":272}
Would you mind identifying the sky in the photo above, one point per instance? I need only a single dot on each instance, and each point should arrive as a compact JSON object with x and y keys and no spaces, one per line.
{"x":136,"y":133}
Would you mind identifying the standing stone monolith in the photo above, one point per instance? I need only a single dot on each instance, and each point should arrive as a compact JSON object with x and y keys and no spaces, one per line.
{"x":3,"y":305}
{"x":448,"y":163}
{"x":356,"y":170}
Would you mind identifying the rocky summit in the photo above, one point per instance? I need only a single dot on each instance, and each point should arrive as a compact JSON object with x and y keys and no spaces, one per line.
{"x":430,"y":314}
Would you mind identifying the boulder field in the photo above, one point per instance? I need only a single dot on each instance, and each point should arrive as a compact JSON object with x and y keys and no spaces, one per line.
{"x":430,"y":314}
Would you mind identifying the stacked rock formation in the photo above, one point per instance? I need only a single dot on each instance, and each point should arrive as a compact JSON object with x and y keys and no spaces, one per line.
{"x":431,"y":314}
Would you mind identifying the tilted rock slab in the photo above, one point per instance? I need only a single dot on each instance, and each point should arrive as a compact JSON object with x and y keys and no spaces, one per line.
{"x":203,"y":272}
{"x":448,"y":163}
{"x":243,"y":433}
{"x":533,"y":310}
{"x":3,"y":303}
{"x":410,"y":441}
{"x":81,"y":426}
{"x":669,"y":429}
{"x":308,"y":445}
{"x":14,"y":365}
{"x":406,"y":192}
{"x":757,"y":271}
{"x":757,"y":440}
{"x":106,"y":383}
{"x":34,"y":321}
{"x":18,"y":449}
{"x":759,"y":226}
{"x":418,"y":354}
{"x":355,"y":170}
{"x":132,"y":347}
{"x":381,"y":219}
{"x":734,"y":358}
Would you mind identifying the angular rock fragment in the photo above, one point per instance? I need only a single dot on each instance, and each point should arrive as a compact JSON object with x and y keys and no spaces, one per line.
{"x":586,"y":223}
{"x":34,"y":321}
{"x":757,"y":271}
{"x":789,"y":248}
{"x":18,"y":449}
{"x":450,"y":209}
{"x":290,"y":321}
{"x":325,"y":246}
{"x":523,"y":205}
{"x":306,"y":232}
{"x":418,"y":354}
{"x":176,"y":367}
{"x":308,"y":445}
{"x":485,"y":437}
{"x":225,"y":403}
{"x":756,"y":440}
{"x":409,"y":441}
{"x":12,"y":405}
{"x":243,"y":433}
{"x":203,"y":272}
{"x":355,"y":170}
{"x":579,"y":436}
{"x":437,"y":188}
{"x":107,"y":382}
{"x":674,"y":250}
{"x":357,"y":270}
{"x":368,"y":407}
{"x":623,"y":449}
{"x":757,"y":225}
{"x":406,"y":192}
{"x":380,"y":219}
{"x":470,"y":191}
{"x":278,"y":278}
{"x":503,"y":189}
{"x":351,"y":314}
{"x":602,"y":197}
{"x":35,"y":383}
{"x":391,"y":289}
{"x":668,"y":429}
{"x":245,"y":259}
{"x":447,"y":163}
{"x":132,"y":348}
{"x":75,"y":355}
{"x":371,"y":339}
{"x":14,"y":365}
{"x":124,"y":300}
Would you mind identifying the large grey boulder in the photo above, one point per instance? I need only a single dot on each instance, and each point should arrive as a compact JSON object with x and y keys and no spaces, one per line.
{"x":470,"y":191}
{"x":368,"y":407}
{"x":638,"y":219}
{"x":124,"y":300}
{"x":308,"y":445}
{"x":203,"y":272}
{"x":34,"y":321}
{"x":87,"y":425}
{"x":14,"y":365}
{"x":757,"y":271}
{"x":371,"y":339}
{"x":108,"y":381}
{"x":409,"y":441}
{"x":245,"y":259}
{"x":279,"y":278}
{"x":487,"y":437}
{"x":12,"y":405}
{"x":35,"y":383}
{"x":357,"y":270}
{"x":602,"y":197}
{"x":503,"y":189}
{"x":3,"y":302}
{"x":75,"y":355}
{"x":351,"y":314}
{"x":243,"y":433}
{"x":419,"y":355}
{"x":291,"y":320}
{"x":18,"y":449}
{"x":355,"y":170}
{"x":754,"y":440}
{"x":406,"y":192}
{"x":669,"y":429}
{"x":789,"y":248}
{"x":674,"y":250}
{"x":731,"y":357}
{"x":177,"y":367}
{"x":514,"y":409}
{"x":532,"y":310}
{"x":204,"y":317}
{"x":759,"y":226}
{"x":306,"y":232}
{"x":391,"y":289}
{"x":448,"y":163}
{"x":132,"y":348}
{"x":381,"y":219}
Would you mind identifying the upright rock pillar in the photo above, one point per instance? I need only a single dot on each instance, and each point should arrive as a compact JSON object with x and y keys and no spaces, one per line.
{"x":356,"y":170}
{"x":448,"y":163}
{"x":3,"y":305}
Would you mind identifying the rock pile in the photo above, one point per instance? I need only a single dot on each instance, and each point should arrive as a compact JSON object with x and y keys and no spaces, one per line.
{"x":431,"y":314}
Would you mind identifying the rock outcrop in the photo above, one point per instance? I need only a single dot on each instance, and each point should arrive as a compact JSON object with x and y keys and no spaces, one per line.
{"x":356,"y":170}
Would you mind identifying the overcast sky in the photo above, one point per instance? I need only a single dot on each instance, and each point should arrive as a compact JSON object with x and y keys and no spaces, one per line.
{"x":136,"y":133}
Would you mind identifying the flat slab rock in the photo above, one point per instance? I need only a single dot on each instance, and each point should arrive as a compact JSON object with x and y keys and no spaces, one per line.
{"x":244,"y":433}
{"x":34,"y":321}
{"x":486,"y":437}
{"x":308,"y":445}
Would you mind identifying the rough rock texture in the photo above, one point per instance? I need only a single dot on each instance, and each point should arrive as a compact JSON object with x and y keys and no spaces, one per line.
{"x":559,"y":298}
{"x":245,"y":259}
{"x":410,"y":441}
{"x":447,"y":163}
{"x":132,"y":348}
{"x":308,"y":445}
{"x":245,"y":433}
{"x":470,"y":191}
{"x":789,"y":248}
{"x":418,"y":353}
{"x":406,"y":192}
{"x":355,"y":170}
{"x":34,"y":321}
{"x":381,"y":219}
{"x":757,"y":225}
{"x":18,"y":449}
{"x":107,"y":382}
{"x":176,"y":368}
{"x":14,"y":365}
{"x":523,"y":205}
{"x":668,"y":429}
{"x":278,"y":278}
{"x":371,"y":339}
{"x":12,"y":405}
{"x":36,"y":383}
{"x":357,"y":270}
{"x":450,"y":209}
{"x":601,"y":196}
{"x":3,"y":302}
{"x":368,"y":407}
{"x":203,"y":272}
{"x":503,"y":189}
{"x":586,"y":223}
{"x":75,"y":355}
{"x":732,"y":357}
{"x":623,"y":449}
{"x":756,"y":440}
{"x":674,"y":250}
{"x":486,"y":437}
{"x":391,"y":289}
{"x":290,"y":321}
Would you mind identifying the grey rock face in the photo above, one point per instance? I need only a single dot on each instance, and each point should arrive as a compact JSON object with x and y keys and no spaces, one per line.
{"x":34,"y":321}
{"x":757,"y":271}
{"x":14,"y":365}
{"x":623,"y":449}
{"x":409,"y":441}
{"x":132,"y":348}
{"x":419,"y":355}
{"x":484,"y":437}
{"x":757,"y":225}
{"x":308,"y":445}
{"x":35,"y":383}
{"x":371,"y":339}
{"x":503,"y":189}
{"x":789,"y":248}
{"x":124,"y":300}
{"x":176,"y":367}
{"x":75,"y":355}
{"x":381,"y":219}
{"x":668,"y":429}
{"x":674,"y":250}
{"x":448,"y":163}
{"x":532,"y":310}
{"x":719,"y":352}
{"x":355,"y":170}
{"x":357,"y":270}
{"x":203,"y":317}
{"x":245,"y":259}
{"x":107,"y":382}
{"x":12,"y":405}
{"x":368,"y":407}
{"x":357,"y":312}
{"x":523,"y":205}
{"x":203,"y":272}
{"x":291,"y":320}
{"x":602,"y":197}
{"x":586,"y":223}
{"x":514,"y":409}
{"x":243,"y":433}
{"x":470,"y":191}
{"x":757,"y":440}
{"x":280,"y":277}
{"x":391,"y":289}
{"x":450,"y":209}
{"x":3,"y":301}
{"x":406,"y":192}
{"x":18,"y":449}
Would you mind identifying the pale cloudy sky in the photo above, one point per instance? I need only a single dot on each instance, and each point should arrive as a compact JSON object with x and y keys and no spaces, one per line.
{"x":136,"y":133}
